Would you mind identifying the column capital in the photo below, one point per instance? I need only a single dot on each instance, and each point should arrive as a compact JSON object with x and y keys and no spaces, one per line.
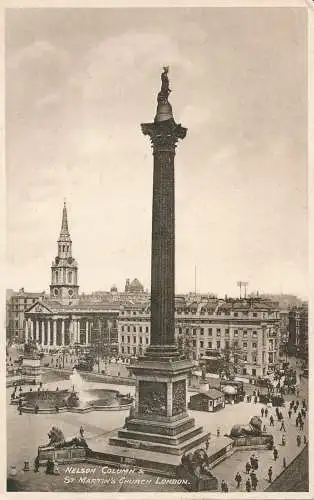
{"x":164,"y":135}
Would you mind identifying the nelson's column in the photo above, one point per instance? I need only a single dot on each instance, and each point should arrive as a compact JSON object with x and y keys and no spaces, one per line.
{"x":160,"y":423}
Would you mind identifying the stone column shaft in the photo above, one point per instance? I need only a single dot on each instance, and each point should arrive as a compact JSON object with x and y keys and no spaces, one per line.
{"x":86,"y":332}
{"x":48,"y":333}
{"x":26,"y":331}
{"x":37,"y":330}
{"x":62,"y":332}
{"x":42,"y":332}
{"x":54,"y":341}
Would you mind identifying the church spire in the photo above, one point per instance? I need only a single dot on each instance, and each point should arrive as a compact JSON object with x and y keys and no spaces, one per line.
{"x":64,"y":233}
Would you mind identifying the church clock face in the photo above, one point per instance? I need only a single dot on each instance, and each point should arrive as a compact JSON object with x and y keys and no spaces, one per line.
{"x":55,"y":292}
{"x":70,"y":292}
{"x":70,"y":260}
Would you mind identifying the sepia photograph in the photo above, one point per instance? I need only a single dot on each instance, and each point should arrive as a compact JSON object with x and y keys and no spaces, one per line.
{"x":157,"y":277}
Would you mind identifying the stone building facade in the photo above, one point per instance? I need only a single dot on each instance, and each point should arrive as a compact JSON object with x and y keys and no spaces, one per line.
{"x":205,"y":325}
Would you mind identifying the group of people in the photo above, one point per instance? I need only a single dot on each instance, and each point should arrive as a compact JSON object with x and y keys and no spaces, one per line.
{"x":251,"y":468}
{"x":252,"y":465}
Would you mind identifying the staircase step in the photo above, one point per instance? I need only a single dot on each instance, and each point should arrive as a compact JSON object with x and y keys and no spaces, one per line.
{"x":158,"y":438}
{"x":160,"y":447}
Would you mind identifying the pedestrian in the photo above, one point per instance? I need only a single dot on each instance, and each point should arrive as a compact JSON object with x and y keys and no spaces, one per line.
{"x":297,"y":422}
{"x":247,"y":467}
{"x":20,"y":410}
{"x":298,"y":440}
{"x":218,"y":432}
{"x":207,"y":445}
{"x":82,"y":431}
{"x":264,"y":428}
{"x":271,"y":421}
{"x":291,"y":404}
{"x":289,"y":413}
{"x":283,"y":440}
{"x":301,"y":424}
{"x":224,"y":486}
{"x":275,"y":453}
{"x":262,"y":412}
{"x":303,"y":412}
{"x":304,"y":439}
{"x":270,"y":473}
{"x":238,"y":479}
{"x":266,"y":412}
{"x":36,"y":464}
{"x":295,"y":408}
{"x":252,"y":461}
{"x":282,"y":427}
{"x":254,"y":481}
{"x":248,"y":485}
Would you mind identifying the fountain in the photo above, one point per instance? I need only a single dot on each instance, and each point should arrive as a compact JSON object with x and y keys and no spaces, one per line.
{"x":80,"y":397}
{"x":79,"y":387}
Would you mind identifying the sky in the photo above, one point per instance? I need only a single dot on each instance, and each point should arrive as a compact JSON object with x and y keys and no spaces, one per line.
{"x":79,"y":82}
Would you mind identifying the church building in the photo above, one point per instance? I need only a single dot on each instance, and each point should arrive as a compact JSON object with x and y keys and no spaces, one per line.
{"x":63,"y":318}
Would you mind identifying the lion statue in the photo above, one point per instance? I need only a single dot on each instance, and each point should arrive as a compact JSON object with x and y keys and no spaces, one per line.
{"x":254,"y":428}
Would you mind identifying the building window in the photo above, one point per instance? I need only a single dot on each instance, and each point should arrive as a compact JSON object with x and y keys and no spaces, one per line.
{"x":122,"y":338}
{"x":201,"y":344}
{"x":194,"y":343}
{"x":70,"y":276}
{"x":218,"y":332}
{"x":134,"y":328}
{"x":140,"y":329}
{"x":141,"y":340}
{"x":227,"y":331}
{"x":236,"y":333}
{"x":254,"y":345}
{"x":194,"y":331}
{"x":210,"y":331}
{"x":134,"y":339}
{"x":254,"y":358}
{"x":129,"y":339}
{"x":122,"y":350}
{"x":202,"y":331}
{"x":244,"y":371}
{"x":254,"y":334}
{"x":244,"y":357}
{"x":128,"y":350}
{"x":187,"y":330}
{"x":128,"y":328}
{"x":254,"y":372}
{"x":235,"y":314}
{"x":146,"y":329}
{"x":146,"y":340}
{"x":244,"y":345}
{"x":254,"y":315}
{"x":218,"y":344}
{"x":227,"y":344}
{"x":245,"y":334}
{"x":122,"y":328}
{"x":134,"y":350}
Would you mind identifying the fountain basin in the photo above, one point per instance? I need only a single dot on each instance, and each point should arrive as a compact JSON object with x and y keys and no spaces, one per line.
{"x":69,"y":401}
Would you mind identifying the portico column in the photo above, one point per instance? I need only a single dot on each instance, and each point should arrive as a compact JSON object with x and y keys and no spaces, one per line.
{"x":48,"y":334}
{"x":37,"y":331}
{"x":78,"y":333}
{"x":54,"y":341}
{"x":62,"y":332}
{"x":26,"y":332}
{"x":42,"y":332}
{"x":86,"y":333}
{"x":32,"y":329}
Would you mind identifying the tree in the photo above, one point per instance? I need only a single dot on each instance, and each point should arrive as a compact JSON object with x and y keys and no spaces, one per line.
{"x":231,"y":360}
